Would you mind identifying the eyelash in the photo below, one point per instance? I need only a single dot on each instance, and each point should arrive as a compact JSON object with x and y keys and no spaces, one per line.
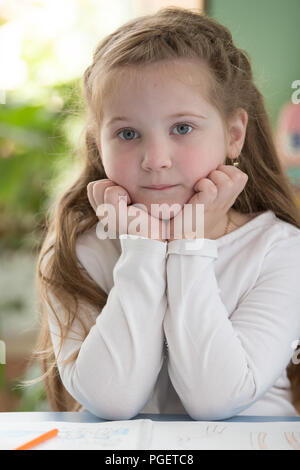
{"x":176,"y":125}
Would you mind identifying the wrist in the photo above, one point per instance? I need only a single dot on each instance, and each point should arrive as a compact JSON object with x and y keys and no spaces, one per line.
{"x":141,"y":236}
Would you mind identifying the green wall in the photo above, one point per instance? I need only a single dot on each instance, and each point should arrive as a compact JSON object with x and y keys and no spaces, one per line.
{"x":269,"y":30}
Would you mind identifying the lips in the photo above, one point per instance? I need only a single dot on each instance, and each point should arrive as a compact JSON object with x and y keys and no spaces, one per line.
{"x":160,"y":187}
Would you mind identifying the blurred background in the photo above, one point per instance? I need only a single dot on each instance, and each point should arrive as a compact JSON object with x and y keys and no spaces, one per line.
{"x":45,"y":46}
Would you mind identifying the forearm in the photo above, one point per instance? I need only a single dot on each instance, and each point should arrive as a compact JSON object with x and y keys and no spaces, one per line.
{"x":207,"y":364}
{"x":121,"y":357}
{"x":222,"y":359}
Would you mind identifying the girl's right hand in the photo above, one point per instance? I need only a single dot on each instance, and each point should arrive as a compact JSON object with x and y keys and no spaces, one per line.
{"x":105,"y":191}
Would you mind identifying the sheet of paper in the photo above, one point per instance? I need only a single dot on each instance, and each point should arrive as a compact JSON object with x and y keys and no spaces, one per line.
{"x":148,"y":434}
{"x":226,"y":435}
{"x":107,"y":435}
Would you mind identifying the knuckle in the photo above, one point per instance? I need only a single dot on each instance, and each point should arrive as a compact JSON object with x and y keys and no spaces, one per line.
{"x":208,"y":182}
{"x":240,"y":173}
{"x":243,"y":177}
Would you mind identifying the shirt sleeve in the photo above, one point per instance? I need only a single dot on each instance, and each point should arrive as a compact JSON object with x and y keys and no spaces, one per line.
{"x":218,"y":365}
{"x":120,"y":358}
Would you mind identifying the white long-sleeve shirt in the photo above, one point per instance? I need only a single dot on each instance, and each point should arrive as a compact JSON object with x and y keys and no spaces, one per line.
{"x":199,"y":327}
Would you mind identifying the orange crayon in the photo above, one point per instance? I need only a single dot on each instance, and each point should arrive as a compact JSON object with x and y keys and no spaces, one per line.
{"x":38,"y":440}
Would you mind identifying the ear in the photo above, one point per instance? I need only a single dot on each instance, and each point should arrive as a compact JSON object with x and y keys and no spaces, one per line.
{"x":236,"y":133}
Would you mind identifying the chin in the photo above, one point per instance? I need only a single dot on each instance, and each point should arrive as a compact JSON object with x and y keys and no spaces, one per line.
{"x":166,"y":211}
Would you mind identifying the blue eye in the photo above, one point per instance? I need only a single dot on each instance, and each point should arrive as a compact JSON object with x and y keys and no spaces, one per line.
{"x":128,"y":130}
{"x":183,"y":125}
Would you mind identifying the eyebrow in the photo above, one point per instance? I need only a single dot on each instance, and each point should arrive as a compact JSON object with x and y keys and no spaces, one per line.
{"x":122,"y":118}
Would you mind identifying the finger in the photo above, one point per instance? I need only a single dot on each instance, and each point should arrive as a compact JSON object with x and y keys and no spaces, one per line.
{"x":238,"y":177}
{"x":230,"y":181}
{"x":206,"y":192}
{"x":99,"y":189}
{"x":119,"y":198}
{"x":205,"y":185}
{"x":229,"y":185}
{"x":90,"y":195}
{"x":220,"y":178}
{"x":234,"y":172}
{"x":112,"y":195}
{"x":90,"y":191}
{"x":225,"y":184}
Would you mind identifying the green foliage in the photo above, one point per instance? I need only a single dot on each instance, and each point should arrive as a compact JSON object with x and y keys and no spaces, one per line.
{"x":33,"y":143}
{"x":36,"y":143}
{"x":32,"y":397}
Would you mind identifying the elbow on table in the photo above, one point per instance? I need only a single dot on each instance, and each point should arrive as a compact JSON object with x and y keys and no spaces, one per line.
{"x":110,"y":403}
{"x":209,"y":414}
{"x":118,"y":413}
{"x":220,"y":403}
{"x":109,"y":406}
{"x":212,"y":411}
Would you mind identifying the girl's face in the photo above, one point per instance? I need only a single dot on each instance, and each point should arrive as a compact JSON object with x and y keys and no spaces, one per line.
{"x":164,"y":132}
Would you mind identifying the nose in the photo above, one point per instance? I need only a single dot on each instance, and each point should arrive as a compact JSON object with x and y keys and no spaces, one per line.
{"x":156,"y":157}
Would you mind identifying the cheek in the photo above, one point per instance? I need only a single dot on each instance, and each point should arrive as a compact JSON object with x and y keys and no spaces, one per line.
{"x":195,"y":166}
{"x":120,"y":170}
{"x":117,"y":166}
{"x":199,"y":162}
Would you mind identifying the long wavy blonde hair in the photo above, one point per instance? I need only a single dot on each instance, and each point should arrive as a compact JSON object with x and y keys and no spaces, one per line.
{"x":169,"y":34}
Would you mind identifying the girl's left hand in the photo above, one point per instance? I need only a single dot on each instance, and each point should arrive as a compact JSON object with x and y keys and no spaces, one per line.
{"x":218,"y":192}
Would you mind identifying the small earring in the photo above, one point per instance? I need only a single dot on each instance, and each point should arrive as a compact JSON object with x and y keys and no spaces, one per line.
{"x":236,"y":163}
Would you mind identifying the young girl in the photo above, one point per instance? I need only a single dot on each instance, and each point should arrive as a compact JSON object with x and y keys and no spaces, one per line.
{"x":143,"y":324}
